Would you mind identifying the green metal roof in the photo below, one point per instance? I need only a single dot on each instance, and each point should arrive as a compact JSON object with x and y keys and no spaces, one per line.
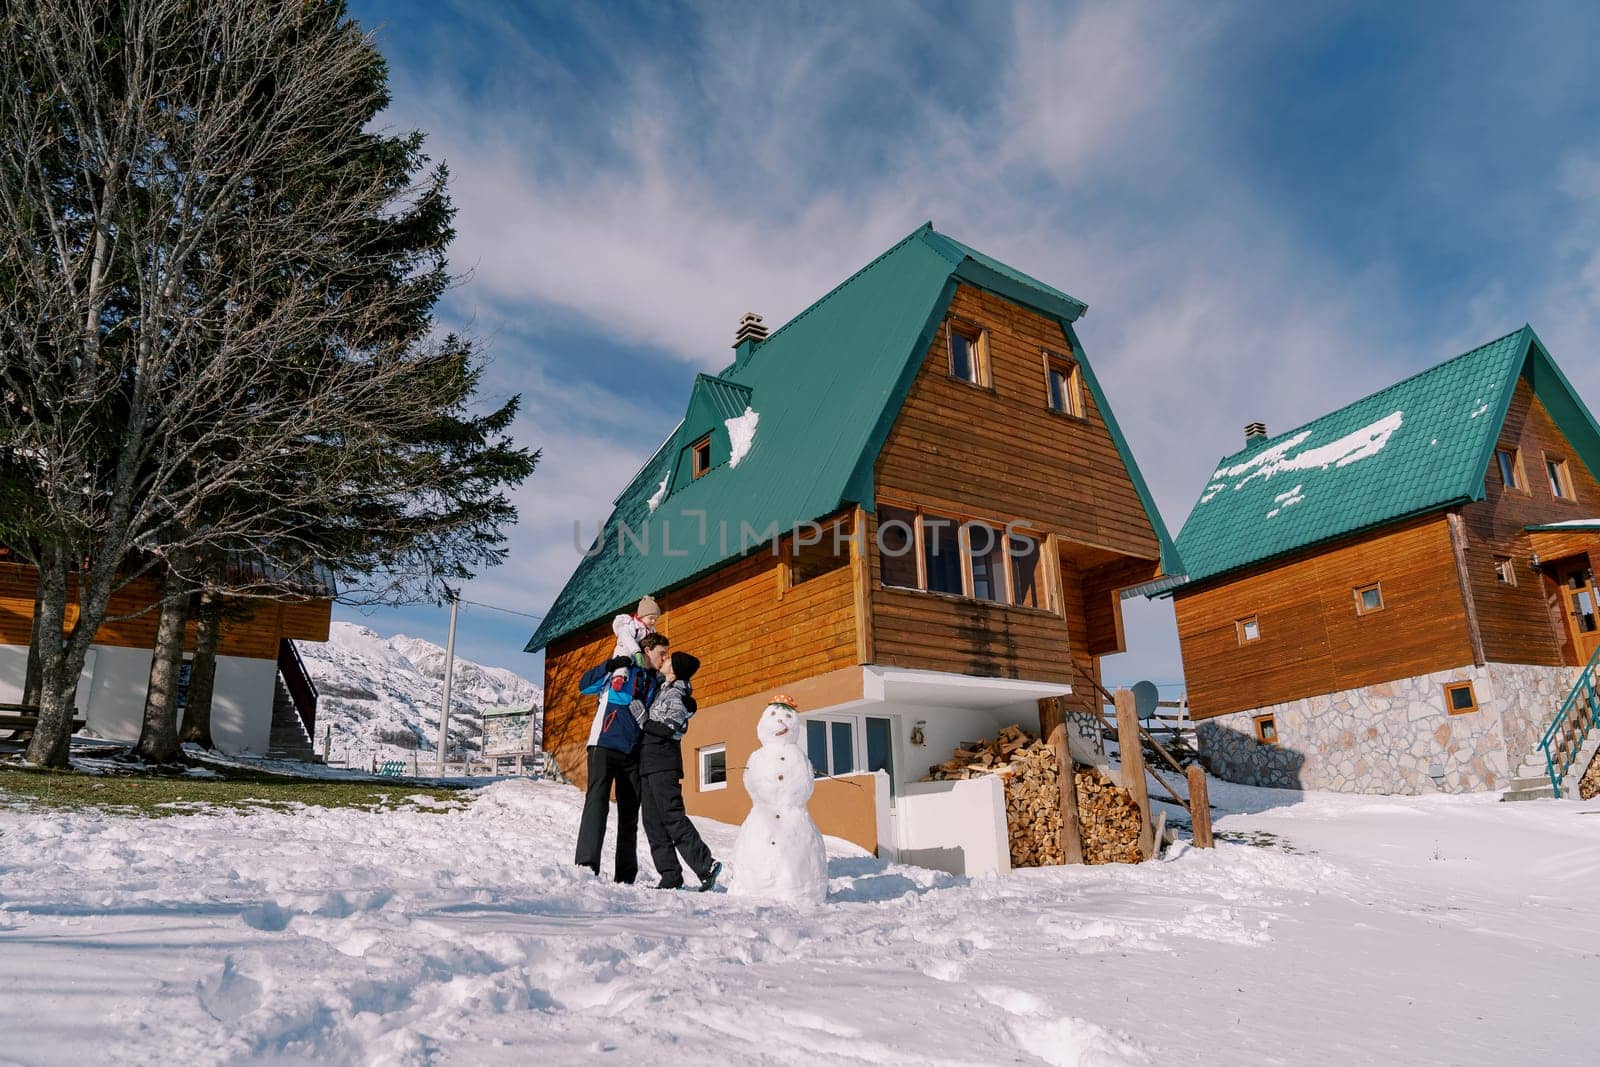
{"x":826,"y":389}
{"x":1422,"y":444}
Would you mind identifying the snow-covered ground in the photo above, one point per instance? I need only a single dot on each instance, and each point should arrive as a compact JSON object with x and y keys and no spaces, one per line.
{"x":1352,"y":930}
{"x":380,"y":695}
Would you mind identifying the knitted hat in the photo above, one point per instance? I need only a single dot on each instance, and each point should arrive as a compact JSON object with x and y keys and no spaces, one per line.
{"x":684,"y":666}
{"x":648,"y":606}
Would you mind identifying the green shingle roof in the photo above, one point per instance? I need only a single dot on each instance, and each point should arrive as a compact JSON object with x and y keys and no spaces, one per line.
{"x":826,"y":389}
{"x":1421,"y":444}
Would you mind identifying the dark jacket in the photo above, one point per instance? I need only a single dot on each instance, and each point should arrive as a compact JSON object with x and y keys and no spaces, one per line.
{"x":661,"y":751}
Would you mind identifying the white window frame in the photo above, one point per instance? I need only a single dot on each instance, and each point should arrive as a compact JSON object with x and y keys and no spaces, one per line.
{"x":700,"y":755}
{"x":858,"y":742}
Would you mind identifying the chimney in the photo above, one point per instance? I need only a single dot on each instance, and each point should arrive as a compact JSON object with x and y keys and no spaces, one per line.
{"x":751,"y":333}
{"x":1255,"y":431}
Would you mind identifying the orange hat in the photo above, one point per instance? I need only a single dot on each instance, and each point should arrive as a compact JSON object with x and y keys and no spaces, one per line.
{"x":786,"y":700}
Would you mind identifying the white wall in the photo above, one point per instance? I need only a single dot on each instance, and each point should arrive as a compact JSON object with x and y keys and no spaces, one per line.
{"x":959,"y":827}
{"x":116,"y":695}
{"x":241,"y":704}
{"x":13,"y":672}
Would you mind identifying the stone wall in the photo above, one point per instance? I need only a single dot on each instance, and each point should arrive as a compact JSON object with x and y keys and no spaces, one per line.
{"x":1397,"y":737}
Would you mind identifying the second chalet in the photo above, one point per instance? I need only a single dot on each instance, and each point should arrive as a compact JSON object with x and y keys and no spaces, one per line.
{"x":910,"y":509}
{"x":1399,"y":597}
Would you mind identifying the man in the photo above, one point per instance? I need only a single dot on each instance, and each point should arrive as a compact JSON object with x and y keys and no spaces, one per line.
{"x":610,"y":768}
{"x":666,"y":824}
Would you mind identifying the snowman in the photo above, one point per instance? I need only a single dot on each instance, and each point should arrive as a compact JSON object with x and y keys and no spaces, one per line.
{"x":779,"y":853}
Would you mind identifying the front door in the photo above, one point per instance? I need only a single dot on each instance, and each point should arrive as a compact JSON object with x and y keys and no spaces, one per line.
{"x":1581,"y":606}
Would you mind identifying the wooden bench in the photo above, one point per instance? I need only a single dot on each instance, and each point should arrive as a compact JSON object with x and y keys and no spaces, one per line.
{"x":23,"y":719}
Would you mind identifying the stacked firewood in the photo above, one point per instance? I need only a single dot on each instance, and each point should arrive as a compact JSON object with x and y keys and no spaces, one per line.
{"x":1108,"y":818}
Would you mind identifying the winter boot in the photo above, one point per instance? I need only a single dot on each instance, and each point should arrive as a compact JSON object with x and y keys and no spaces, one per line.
{"x":709,"y":882}
{"x":668,"y":882}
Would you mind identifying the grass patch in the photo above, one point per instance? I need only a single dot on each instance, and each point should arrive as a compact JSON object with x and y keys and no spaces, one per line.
{"x":153,"y":795}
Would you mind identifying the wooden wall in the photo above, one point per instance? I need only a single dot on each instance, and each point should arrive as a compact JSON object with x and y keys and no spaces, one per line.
{"x":1000,"y":453}
{"x":1312,"y":640}
{"x":1517,"y":622}
{"x":252,"y":629}
{"x":752,"y":632}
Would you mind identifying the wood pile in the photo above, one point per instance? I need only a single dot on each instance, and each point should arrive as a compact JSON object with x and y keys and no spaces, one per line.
{"x":1027,"y":766}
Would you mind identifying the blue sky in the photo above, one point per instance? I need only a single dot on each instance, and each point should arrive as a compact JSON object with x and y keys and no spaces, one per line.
{"x":1270,"y":209}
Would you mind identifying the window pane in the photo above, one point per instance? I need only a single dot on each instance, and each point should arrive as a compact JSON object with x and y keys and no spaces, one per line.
{"x":1025,"y":572}
{"x":1058,"y":390}
{"x":1583,"y":606}
{"x":1508,"y":469}
{"x":941,"y":554}
{"x":1252,"y":629}
{"x":1558,"y":485}
{"x":897,"y":546}
{"x":988,"y":563}
{"x":1461,"y":698}
{"x":962,"y":357}
{"x":844,"y":749}
{"x":880,"y":749}
{"x":817,"y":747}
{"x":714,"y":767}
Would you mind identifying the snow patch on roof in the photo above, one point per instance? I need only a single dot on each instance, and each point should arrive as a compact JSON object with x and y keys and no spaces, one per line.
{"x":1351,"y":448}
{"x":742,"y":434}
{"x":661,"y":490}
{"x":1570,"y":524}
{"x":1212,"y":490}
{"x":1481,"y":409}
{"x":1286,"y":500}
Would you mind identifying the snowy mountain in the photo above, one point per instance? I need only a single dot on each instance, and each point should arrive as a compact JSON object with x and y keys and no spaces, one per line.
{"x":380,"y":695}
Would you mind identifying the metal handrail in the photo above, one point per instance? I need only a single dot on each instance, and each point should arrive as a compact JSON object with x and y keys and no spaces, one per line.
{"x":1585,"y":689}
{"x":301,"y":688}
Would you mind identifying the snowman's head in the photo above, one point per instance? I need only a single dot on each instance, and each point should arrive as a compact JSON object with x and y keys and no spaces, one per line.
{"x":779,"y":725}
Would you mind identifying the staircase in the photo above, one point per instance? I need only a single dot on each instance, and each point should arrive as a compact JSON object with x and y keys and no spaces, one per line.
{"x":1555,"y":766}
{"x":294,"y":709}
{"x":288,"y":739}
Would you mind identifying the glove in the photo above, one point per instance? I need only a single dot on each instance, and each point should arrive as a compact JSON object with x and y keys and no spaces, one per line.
{"x":617,"y":663}
{"x":618,"y":683}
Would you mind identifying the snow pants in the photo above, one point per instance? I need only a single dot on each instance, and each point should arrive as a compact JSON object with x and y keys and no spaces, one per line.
{"x":666,"y":823}
{"x":608,"y":768}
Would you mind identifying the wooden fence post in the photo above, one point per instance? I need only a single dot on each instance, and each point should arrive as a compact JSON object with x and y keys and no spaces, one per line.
{"x":1200,"y":807}
{"x":1071,"y":831}
{"x":1131,"y":753}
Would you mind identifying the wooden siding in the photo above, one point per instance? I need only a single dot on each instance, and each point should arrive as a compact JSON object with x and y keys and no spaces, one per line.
{"x":1312,"y":640}
{"x":751,"y":633}
{"x":1518,"y":622}
{"x":251,"y":629}
{"x":1001,"y":451}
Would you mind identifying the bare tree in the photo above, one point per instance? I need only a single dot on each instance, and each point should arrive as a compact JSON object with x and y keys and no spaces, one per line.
{"x":210,"y":339}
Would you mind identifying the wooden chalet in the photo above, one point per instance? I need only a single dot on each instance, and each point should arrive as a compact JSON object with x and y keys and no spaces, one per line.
{"x":1399,"y":597}
{"x":853,"y":551}
{"x":264,"y":702}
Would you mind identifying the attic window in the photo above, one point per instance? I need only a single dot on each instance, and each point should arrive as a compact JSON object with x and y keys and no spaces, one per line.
{"x":1560,"y":478}
{"x":1249,"y":629}
{"x":1063,"y":385}
{"x":969,"y":352}
{"x":1369,"y":598}
{"x":1266,"y":729}
{"x":1505,"y":571}
{"x":1510,"y":460}
{"x":700,"y":456}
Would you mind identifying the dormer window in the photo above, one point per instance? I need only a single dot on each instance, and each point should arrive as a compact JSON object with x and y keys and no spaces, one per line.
{"x":700,"y":456}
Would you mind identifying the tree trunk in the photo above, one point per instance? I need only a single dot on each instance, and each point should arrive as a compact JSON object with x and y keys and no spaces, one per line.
{"x":196,"y":728}
{"x":52,"y":736}
{"x":33,"y":681}
{"x":158,"y":739}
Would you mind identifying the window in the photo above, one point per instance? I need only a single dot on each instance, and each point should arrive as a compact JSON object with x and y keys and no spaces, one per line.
{"x":808,"y":561}
{"x":713,"y":760}
{"x":897,"y":547}
{"x":986,"y":549}
{"x":880,"y":750}
{"x":1459,"y":698}
{"x":941,"y":554}
{"x":1505,"y":571}
{"x":1063,"y":385}
{"x":1249,"y":630}
{"x":831,"y":744}
{"x":1369,"y":598}
{"x":700,"y":455}
{"x":1267,"y":729}
{"x":973,"y":558}
{"x":1510,"y":460}
{"x":1025,"y":571}
{"x":1560,"y":478}
{"x":969,"y":352}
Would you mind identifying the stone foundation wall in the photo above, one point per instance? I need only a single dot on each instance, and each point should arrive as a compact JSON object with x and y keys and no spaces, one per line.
{"x":1397,"y":737}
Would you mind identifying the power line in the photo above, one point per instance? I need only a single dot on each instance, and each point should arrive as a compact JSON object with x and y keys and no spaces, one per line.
{"x":496,"y":607}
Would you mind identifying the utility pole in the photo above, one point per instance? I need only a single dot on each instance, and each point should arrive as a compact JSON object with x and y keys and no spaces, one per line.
{"x":449,"y":669}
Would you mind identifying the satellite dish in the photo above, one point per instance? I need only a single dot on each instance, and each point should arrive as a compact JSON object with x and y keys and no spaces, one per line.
{"x":1146,"y":697}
